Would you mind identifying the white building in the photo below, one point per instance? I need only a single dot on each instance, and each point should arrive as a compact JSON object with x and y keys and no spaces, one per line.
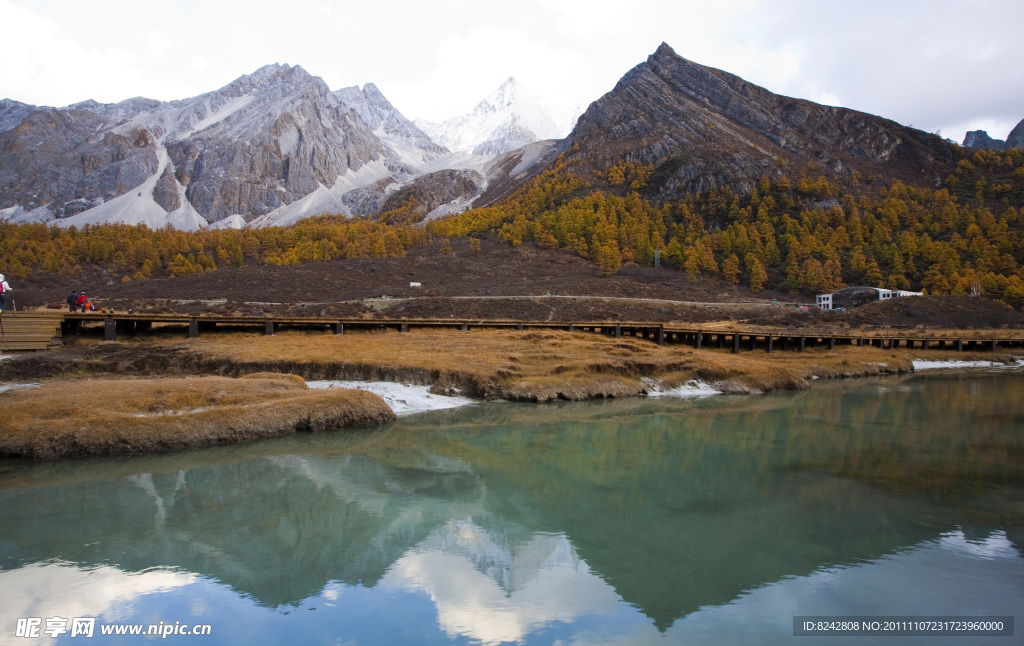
{"x":855,"y":296}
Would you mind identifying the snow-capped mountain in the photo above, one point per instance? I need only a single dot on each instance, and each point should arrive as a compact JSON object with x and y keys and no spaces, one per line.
{"x":508,"y":119}
{"x":272,"y":146}
{"x":269,"y":148}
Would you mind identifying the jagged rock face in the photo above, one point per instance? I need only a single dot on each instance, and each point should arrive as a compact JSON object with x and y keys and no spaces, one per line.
{"x":1016,"y":137}
{"x":980,"y":139}
{"x":72,"y":159}
{"x":435,"y":189}
{"x":292,"y":136}
{"x":368,"y":200}
{"x":263,"y":141}
{"x":508,"y":171}
{"x":382,"y":117}
{"x":717,"y":129}
{"x":165,"y":193}
{"x":12,"y":113}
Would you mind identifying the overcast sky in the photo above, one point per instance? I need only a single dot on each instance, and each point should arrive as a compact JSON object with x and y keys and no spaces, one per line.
{"x":934,"y":64}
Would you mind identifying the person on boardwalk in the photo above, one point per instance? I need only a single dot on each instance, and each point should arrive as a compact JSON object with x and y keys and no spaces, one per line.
{"x":72,"y":301}
{"x":4,"y":288}
{"x":82,"y":300}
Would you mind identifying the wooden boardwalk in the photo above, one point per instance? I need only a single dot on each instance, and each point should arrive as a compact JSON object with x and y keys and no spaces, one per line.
{"x":740,"y":338}
{"x":43,"y":331}
{"x":29,"y":331}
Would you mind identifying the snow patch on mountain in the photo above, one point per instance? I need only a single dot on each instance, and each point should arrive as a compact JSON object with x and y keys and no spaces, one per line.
{"x":231,"y":222}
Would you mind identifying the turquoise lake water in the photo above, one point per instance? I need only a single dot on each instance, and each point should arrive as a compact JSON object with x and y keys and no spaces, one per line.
{"x":645,"y":521}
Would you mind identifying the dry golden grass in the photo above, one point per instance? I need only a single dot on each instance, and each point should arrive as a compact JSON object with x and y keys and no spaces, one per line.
{"x":106,"y":416}
{"x":540,"y":365}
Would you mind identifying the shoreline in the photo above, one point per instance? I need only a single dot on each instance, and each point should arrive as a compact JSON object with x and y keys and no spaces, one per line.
{"x":415,"y":373}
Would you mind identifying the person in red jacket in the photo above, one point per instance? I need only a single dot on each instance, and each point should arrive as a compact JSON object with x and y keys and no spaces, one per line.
{"x":82,"y":300}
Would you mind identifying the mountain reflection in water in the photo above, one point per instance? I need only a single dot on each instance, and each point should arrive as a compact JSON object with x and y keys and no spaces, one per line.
{"x":701,"y":521}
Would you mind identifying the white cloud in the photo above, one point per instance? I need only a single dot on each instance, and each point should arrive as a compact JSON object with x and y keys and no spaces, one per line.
{"x":66,"y":590}
{"x":548,"y":583}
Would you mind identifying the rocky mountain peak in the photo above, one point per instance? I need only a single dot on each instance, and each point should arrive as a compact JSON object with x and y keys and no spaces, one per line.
{"x":664,"y":52}
{"x":386,"y":121}
{"x":717,"y":129}
{"x":980,"y":139}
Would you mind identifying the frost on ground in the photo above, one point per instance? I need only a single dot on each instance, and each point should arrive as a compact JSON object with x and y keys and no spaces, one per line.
{"x":5,"y":387}
{"x":689,"y":389}
{"x":403,"y":399}
{"x":954,"y":364}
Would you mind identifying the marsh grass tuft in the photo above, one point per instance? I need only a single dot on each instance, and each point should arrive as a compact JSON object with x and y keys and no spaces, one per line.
{"x":108,"y":416}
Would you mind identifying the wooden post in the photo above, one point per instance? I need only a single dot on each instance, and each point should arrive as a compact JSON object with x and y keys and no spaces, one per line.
{"x":736,"y":343}
{"x":959,"y":345}
{"x":268,"y":329}
{"x":339,"y":328}
{"x":785,"y":341}
{"x":405,"y":327}
{"x":769,"y":340}
{"x":193,"y":329}
{"x":802,"y":343}
{"x":700,"y":339}
{"x":464,"y":327}
{"x":661,"y":336}
{"x":109,"y":329}
{"x":618,"y":331}
{"x":572,"y":328}
{"x":831,"y":343}
{"x":924,"y":344}
{"x":994,"y":345}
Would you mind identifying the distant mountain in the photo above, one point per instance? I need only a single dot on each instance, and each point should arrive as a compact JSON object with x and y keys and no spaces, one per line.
{"x":703,"y":128}
{"x":980,"y":139}
{"x":506,"y":120}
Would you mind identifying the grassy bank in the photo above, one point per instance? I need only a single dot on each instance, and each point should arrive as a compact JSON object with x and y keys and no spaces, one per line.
{"x":104,"y":416}
{"x":480,"y":363}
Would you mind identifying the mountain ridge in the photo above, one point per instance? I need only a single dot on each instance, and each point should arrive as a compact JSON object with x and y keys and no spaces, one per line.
{"x":277,"y":145}
{"x":725,"y":131}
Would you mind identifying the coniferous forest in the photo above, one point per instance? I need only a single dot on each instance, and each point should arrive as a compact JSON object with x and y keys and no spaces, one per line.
{"x":803,"y":232}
